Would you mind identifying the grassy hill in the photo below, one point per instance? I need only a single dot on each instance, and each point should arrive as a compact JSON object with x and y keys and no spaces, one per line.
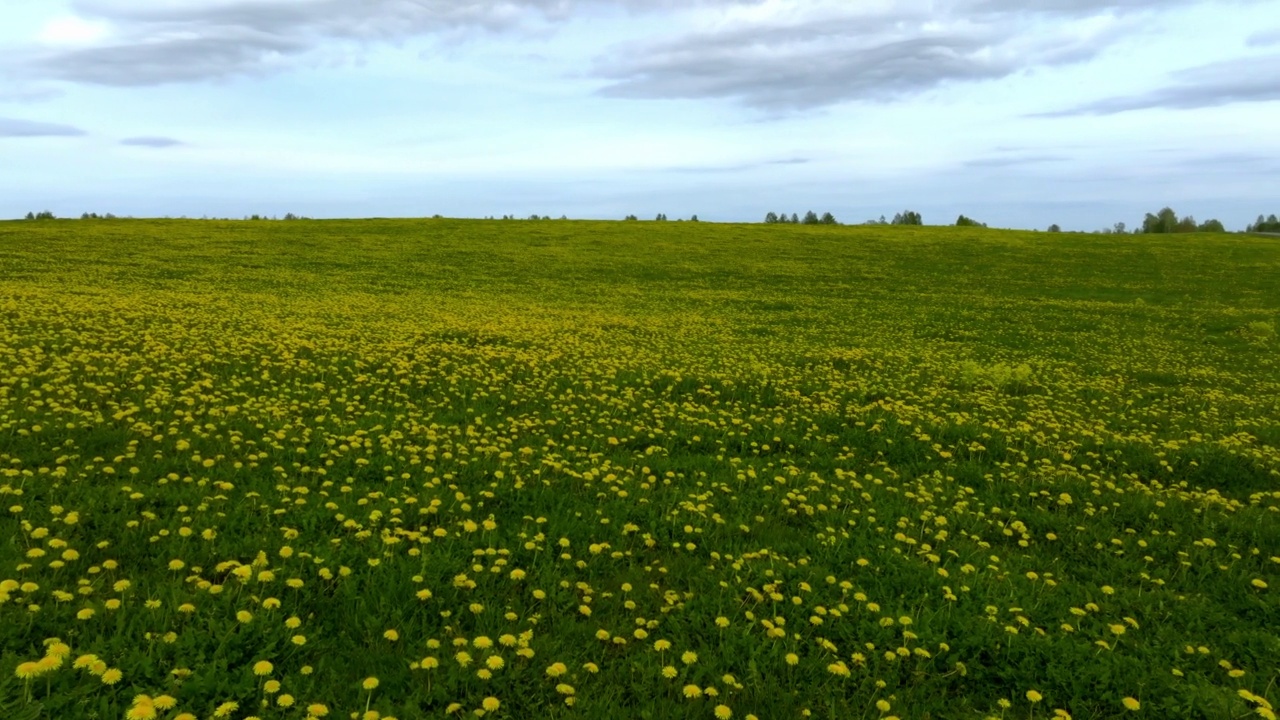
{"x":965,"y":472}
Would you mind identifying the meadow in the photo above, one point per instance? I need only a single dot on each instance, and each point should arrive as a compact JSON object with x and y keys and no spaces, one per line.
{"x":439,"y":468}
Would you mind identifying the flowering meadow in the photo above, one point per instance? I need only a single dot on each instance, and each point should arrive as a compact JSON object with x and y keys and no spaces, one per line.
{"x":433,"y":468}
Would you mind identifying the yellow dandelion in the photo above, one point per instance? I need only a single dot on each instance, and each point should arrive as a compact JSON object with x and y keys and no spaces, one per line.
{"x":557,"y":669}
{"x":490,"y":704}
{"x":226,"y":708}
{"x":689,"y":657}
{"x":369,"y":683}
{"x":262,"y":667}
{"x":692,"y":691}
{"x":112,"y":676}
{"x":1131,"y":704}
{"x":391,"y":635}
{"x":1034,"y":696}
{"x":723,"y":712}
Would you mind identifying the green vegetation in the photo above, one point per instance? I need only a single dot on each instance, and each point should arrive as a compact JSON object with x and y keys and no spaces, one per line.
{"x":1269,"y":224}
{"x":654,"y":470}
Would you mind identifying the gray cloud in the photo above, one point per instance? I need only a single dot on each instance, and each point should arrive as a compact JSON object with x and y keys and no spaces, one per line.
{"x":848,"y":54}
{"x":1001,"y":161}
{"x":1264,"y":38}
{"x":1249,"y":79}
{"x":175,"y":41}
{"x":11,"y":127}
{"x":738,"y":168}
{"x":28,"y":94}
{"x":151,"y":142}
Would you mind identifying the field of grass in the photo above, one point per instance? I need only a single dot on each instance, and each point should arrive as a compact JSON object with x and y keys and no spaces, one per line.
{"x":635,"y":470}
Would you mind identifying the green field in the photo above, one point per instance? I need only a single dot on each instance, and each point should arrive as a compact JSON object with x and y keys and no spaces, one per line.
{"x":636,"y":470}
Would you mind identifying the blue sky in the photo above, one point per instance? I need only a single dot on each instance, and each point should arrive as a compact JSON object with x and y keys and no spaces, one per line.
{"x":1018,"y":113}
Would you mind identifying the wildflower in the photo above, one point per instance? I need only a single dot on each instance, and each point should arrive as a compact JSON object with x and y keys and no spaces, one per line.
{"x":557,"y":669}
{"x":689,"y":657}
{"x":369,"y":683}
{"x":112,"y":676}
{"x":226,"y":708}
{"x":285,"y":700}
{"x":723,"y":712}
{"x":669,"y":671}
{"x":1131,"y":704}
{"x":262,"y":668}
{"x":1034,"y":696}
{"x":692,"y":691}
{"x":490,"y":704}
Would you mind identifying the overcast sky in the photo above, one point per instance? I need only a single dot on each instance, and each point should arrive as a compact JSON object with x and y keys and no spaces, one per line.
{"x":1019,"y":113}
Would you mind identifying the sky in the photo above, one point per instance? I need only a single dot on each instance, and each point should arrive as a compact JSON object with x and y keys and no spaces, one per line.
{"x":1018,"y":113}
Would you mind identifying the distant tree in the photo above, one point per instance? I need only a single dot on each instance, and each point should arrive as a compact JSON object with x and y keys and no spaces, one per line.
{"x":772,"y":217}
{"x":45,"y":215}
{"x":1269,"y":224}
{"x":631,"y":218}
{"x":1213,"y":226}
{"x":963,"y":221}
{"x":1186,"y":225}
{"x":828,"y":219}
{"x":32,"y":216}
{"x":810,"y":218}
{"x":909,"y":217}
{"x":1118,"y":228}
{"x":693,"y":219}
{"x":1165,"y":221}
{"x":1054,"y":228}
{"x":291,"y":216}
{"x":662,"y":217}
{"x":564,"y":217}
{"x":795,"y":219}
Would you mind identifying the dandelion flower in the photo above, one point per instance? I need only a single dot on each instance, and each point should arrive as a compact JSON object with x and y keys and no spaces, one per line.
{"x":112,"y":676}
{"x":689,"y":657}
{"x":1131,"y":704}
{"x":723,"y":712}
{"x":557,"y":669}
{"x":285,"y":700}
{"x":226,"y":708}
{"x":369,"y":683}
{"x":1034,"y":696}
{"x":692,"y":691}
{"x":262,"y":667}
{"x":164,"y":702}
{"x":669,"y":672}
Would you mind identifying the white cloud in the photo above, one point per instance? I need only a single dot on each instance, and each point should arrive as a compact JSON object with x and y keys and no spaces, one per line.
{"x":72,"y":30}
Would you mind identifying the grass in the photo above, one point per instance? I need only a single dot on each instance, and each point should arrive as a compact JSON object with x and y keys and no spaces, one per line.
{"x":950,"y":470}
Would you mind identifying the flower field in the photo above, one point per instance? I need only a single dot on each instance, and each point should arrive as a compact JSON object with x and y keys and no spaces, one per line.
{"x":410,"y":469}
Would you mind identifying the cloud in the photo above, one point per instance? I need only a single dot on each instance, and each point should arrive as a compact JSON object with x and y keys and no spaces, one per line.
{"x":176,"y":41}
{"x":1248,"y":79}
{"x":28,"y":94}
{"x":1264,"y":38}
{"x":11,"y":127}
{"x":1001,"y":161}
{"x":737,"y":168}
{"x":817,"y":54}
{"x":151,"y":142}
